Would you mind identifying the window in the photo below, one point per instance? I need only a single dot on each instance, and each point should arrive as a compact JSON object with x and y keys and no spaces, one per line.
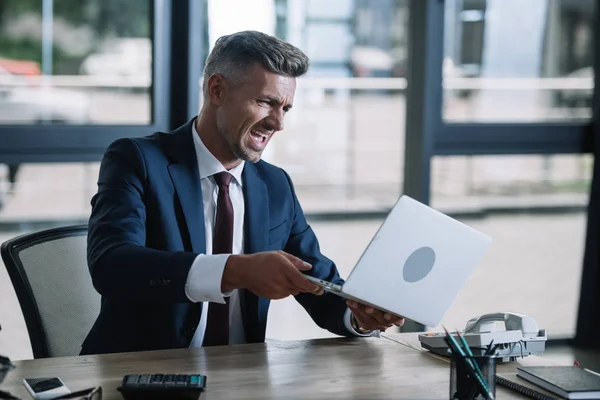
{"x":504,"y":136}
{"x":515,"y":61}
{"x":534,"y":208}
{"x":343,"y":143}
{"x":89,"y":64}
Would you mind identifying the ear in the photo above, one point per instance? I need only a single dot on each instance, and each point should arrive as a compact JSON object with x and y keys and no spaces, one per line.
{"x":216,"y":89}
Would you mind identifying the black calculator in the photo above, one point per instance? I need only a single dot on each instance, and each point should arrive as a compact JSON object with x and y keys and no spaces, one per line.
{"x":162,"y":386}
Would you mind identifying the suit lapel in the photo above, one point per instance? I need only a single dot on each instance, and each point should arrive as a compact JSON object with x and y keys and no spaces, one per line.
{"x":256,"y":232}
{"x":186,"y":181}
{"x":256,"y":200}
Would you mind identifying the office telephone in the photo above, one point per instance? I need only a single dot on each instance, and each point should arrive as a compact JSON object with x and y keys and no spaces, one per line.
{"x":519,"y":337}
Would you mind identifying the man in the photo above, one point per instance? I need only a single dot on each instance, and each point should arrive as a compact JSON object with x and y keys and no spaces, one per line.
{"x":191,"y":234}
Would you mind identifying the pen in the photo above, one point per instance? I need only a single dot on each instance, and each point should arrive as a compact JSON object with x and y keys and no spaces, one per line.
{"x":461,"y":358}
{"x":478,"y":378}
{"x":470,"y":354}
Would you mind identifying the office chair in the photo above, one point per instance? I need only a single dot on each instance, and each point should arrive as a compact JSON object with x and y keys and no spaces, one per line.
{"x":49,"y":272}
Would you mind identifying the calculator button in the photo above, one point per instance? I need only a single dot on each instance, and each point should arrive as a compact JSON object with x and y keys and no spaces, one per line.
{"x":131,"y":379}
{"x":156,"y":380}
{"x":144,"y":379}
{"x":193,"y":380}
{"x":180,"y":380}
{"x":169,"y":380}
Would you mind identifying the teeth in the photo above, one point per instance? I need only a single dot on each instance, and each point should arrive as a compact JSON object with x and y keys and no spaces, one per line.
{"x":259,"y":134}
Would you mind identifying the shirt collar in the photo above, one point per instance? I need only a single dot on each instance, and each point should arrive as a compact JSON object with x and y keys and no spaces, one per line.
{"x":208,"y":163}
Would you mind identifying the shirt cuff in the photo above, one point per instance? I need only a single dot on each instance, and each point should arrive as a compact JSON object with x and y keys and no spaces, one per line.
{"x":348,"y":323}
{"x":204,"y":279}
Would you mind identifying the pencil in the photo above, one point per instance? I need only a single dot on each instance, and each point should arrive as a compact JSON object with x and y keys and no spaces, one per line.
{"x":470,"y":354}
{"x":478,"y":378}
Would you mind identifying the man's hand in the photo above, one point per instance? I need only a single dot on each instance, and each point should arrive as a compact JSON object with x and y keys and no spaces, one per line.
{"x":370,"y":319}
{"x":272,"y":275}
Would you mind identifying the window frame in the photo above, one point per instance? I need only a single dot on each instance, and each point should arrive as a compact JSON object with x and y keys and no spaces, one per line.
{"x":428,"y":135}
{"x":86,"y":143}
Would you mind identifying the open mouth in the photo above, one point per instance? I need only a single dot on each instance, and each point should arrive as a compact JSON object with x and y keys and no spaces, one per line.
{"x":259,"y":139}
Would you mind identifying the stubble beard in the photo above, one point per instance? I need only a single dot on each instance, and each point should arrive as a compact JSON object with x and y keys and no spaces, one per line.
{"x":236,"y":146}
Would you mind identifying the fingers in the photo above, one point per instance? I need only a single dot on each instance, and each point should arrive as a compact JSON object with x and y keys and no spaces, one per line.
{"x":300,"y":283}
{"x":365,"y":320}
{"x":398,"y":321}
{"x":298,"y":263}
{"x":295,"y":292}
{"x":389,"y":318}
{"x":377,"y":316}
{"x":297,"y":280}
{"x":372,"y":318}
{"x":315,"y":289}
{"x":285,"y":291}
{"x":277,"y":275}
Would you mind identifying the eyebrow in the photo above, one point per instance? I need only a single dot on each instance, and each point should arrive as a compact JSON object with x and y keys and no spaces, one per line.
{"x":278,"y":102}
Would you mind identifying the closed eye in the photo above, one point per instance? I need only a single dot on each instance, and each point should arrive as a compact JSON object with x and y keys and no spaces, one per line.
{"x":273,"y":102}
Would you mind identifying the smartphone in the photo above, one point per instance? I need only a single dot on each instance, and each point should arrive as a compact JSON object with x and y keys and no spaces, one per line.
{"x":45,"y":388}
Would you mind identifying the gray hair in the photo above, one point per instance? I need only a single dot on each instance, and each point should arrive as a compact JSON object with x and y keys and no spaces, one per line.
{"x":234,"y":53}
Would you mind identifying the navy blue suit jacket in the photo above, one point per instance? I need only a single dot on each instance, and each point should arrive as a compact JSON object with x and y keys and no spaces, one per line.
{"x":147,"y":226}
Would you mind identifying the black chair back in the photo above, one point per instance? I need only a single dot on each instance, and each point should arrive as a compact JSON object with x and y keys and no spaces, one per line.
{"x":49,"y":273}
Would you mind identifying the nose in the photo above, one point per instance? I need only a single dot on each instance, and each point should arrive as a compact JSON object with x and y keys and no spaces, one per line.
{"x":275,"y":120}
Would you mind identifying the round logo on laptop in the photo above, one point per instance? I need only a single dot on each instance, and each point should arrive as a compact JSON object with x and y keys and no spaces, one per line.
{"x":419,"y":264}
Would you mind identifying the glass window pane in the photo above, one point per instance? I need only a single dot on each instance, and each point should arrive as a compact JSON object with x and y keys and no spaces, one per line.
{"x":65,"y":62}
{"x":518,"y":61}
{"x":535,"y":262}
{"x":343,"y":142}
{"x":328,"y":42}
{"x":329,"y":8}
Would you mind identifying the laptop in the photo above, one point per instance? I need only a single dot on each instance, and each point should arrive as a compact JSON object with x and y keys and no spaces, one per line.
{"x":415,"y":265}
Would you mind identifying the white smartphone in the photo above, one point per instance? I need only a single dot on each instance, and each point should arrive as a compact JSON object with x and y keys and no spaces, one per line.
{"x":45,"y":388}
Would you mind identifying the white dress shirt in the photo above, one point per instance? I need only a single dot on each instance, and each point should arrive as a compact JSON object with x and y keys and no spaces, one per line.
{"x":204,"y":278}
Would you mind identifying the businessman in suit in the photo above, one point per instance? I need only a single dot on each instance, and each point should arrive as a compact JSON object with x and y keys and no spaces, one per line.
{"x":191,"y":234}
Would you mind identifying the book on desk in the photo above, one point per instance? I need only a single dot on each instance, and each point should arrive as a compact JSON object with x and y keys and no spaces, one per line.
{"x":552,"y":382}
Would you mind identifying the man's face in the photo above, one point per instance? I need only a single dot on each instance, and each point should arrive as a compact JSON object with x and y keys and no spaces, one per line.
{"x":252,"y":112}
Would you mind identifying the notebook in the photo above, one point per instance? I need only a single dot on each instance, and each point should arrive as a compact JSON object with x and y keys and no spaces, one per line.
{"x":566,"y":381}
{"x":519,"y":385}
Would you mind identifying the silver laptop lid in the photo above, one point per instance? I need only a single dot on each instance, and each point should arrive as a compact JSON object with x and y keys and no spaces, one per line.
{"x":417,"y":262}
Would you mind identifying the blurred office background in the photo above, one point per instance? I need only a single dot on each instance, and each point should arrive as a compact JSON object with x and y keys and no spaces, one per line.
{"x":482,"y":108}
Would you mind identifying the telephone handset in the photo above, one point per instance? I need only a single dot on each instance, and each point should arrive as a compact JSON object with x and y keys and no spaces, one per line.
{"x":512,"y":322}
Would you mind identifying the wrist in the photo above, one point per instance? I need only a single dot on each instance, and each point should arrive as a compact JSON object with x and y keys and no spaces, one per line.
{"x":233,"y":273}
{"x":356,"y":326}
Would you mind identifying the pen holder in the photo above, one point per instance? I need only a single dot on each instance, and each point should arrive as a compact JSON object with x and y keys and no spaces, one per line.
{"x":464,"y":384}
{"x":5,"y":366}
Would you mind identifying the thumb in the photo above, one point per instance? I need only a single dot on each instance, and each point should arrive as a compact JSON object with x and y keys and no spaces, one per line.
{"x":298,"y":263}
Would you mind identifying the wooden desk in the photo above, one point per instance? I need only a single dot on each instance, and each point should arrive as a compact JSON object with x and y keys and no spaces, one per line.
{"x":371,"y":368}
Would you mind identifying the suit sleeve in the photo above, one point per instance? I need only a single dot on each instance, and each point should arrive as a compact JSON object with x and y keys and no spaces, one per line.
{"x":328,"y":310}
{"x":120,"y":265}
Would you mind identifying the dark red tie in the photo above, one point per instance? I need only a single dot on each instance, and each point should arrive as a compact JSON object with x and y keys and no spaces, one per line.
{"x":217,"y":327}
